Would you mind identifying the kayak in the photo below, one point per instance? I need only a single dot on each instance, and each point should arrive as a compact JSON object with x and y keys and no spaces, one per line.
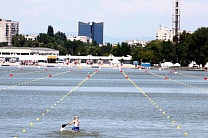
{"x":74,"y":129}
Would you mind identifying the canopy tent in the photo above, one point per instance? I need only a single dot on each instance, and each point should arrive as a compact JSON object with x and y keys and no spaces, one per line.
{"x":115,"y":61}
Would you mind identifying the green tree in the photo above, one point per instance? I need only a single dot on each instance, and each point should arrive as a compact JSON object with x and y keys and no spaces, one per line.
{"x":182,"y":49}
{"x":168,"y":51}
{"x":50,"y":31}
{"x":18,"y":40}
{"x":43,"y":38}
{"x":197,"y":46}
{"x":60,"y":36}
{"x":125,"y":49}
{"x":105,"y":50}
{"x":156,"y":48}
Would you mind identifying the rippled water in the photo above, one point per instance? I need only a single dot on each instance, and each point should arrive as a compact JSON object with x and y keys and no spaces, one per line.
{"x":108,"y":104}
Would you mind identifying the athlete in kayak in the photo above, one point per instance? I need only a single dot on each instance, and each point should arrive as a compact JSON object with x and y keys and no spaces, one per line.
{"x":76,"y":124}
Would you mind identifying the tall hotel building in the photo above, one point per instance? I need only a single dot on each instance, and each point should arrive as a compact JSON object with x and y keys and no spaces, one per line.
{"x":94,"y":31}
{"x":8,"y":29}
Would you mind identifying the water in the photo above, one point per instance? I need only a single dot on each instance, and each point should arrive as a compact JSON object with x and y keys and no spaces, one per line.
{"x":108,"y":104}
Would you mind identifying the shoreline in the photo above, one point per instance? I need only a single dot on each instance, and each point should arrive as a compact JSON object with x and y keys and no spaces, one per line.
{"x":84,"y":65}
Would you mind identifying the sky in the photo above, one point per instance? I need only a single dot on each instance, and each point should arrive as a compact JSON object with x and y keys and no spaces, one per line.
{"x":126,"y":19}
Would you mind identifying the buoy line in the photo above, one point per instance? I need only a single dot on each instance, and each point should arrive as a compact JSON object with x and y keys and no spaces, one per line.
{"x":188,"y":85}
{"x":164,"y":113}
{"x":56,"y":103}
{"x":205,"y":77}
{"x":9,"y":70}
{"x":27,"y":82}
{"x":23,"y":73}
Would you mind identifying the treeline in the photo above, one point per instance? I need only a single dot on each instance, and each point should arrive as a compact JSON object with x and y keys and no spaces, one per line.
{"x":191,"y":47}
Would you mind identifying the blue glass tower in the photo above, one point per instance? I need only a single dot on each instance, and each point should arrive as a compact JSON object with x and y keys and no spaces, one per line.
{"x":84,"y":29}
{"x":95,"y":31}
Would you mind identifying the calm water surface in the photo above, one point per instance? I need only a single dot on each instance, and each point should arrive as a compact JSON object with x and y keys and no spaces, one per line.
{"x":108,"y":104}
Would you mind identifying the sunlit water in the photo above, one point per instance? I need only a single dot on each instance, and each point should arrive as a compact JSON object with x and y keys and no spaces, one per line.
{"x":108,"y":104}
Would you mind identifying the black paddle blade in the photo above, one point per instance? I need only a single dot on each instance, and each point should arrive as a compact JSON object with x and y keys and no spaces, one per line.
{"x":64,"y":125}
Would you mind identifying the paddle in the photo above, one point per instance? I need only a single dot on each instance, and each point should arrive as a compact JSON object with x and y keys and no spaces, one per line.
{"x":64,"y":125}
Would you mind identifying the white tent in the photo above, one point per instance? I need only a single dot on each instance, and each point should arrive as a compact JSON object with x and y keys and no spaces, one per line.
{"x":176,"y":65}
{"x":166,"y":65}
{"x":115,"y":61}
{"x":193,"y":64}
{"x":206,"y":65}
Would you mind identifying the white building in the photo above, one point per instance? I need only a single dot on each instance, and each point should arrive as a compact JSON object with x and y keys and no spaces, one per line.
{"x":137,"y":43}
{"x":164,"y":34}
{"x":8,"y":29}
{"x":30,"y":37}
{"x":84,"y":39}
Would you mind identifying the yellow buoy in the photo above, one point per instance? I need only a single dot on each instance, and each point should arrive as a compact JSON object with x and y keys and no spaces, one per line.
{"x":38,"y":119}
{"x":23,"y":130}
{"x":185,"y":133}
{"x":178,"y":127}
{"x":31,"y":124}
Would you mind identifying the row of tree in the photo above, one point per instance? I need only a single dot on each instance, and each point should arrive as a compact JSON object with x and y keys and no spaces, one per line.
{"x":191,"y":47}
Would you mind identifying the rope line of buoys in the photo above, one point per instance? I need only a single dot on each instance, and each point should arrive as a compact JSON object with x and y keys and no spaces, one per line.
{"x":2,"y":71}
{"x":205,"y":77}
{"x":164,"y":113}
{"x":23,"y":73}
{"x":188,"y":85}
{"x":27,"y":82}
{"x":56,"y":103}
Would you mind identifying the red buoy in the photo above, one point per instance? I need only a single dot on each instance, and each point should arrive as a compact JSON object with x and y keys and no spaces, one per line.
{"x":10,"y":74}
{"x":49,"y":75}
{"x":205,"y":78}
{"x":127,"y":77}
